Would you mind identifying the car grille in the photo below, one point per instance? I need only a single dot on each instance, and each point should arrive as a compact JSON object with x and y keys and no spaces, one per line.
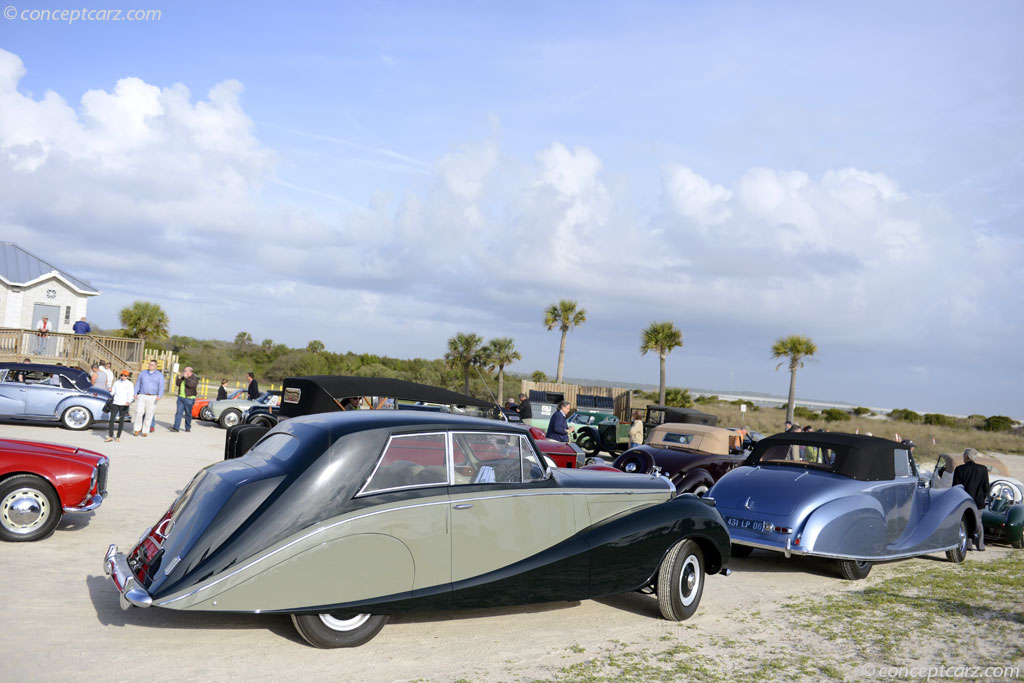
{"x":101,"y":480}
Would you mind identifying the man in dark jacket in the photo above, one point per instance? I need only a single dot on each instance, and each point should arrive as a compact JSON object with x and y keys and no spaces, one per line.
{"x":254,"y":389}
{"x":558,"y":427}
{"x":973,"y":476}
{"x":525,"y":410}
{"x":185,"y":389}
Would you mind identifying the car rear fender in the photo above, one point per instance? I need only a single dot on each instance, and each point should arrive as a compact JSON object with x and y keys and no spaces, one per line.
{"x":849,"y":526}
{"x":693,"y":479}
{"x":939,"y":524}
{"x":93,"y":404}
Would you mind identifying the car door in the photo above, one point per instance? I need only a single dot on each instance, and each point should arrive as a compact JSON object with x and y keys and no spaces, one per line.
{"x":505,"y":512}
{"x":42,"y":398}
{"x":12,"y":394}
{"x":898,"y":497}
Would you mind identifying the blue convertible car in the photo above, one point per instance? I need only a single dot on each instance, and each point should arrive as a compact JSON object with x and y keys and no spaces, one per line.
{"x":855,"y":499}
{"x":50,"y":393}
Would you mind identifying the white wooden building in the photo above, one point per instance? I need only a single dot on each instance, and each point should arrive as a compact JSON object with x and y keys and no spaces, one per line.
{"x":31,"y":288}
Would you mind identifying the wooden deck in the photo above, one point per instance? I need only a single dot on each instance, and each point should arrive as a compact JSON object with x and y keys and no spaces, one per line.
{"x":75,"y":350}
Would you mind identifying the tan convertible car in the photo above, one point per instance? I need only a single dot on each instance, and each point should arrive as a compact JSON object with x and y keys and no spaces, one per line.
{"x":341,"y":519}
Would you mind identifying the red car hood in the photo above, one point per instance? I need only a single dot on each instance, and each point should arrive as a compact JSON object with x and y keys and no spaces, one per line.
{"x":50,"y":450}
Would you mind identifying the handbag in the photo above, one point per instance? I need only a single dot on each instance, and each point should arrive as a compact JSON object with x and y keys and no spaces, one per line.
{"x":109,"y":405}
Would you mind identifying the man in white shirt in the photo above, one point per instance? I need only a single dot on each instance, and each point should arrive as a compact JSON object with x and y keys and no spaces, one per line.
{"x":43,"y":328}
{"x":109,"y":374}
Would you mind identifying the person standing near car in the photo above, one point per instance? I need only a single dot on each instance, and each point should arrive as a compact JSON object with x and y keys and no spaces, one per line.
{"x":186,"y":386}
{"x":121,"y":397}
{"x":149,"y":388}
{"x":973,"y":476}
{"x":222,"y":391}
{"x":525,"y":409}
{"x":558,"y":427}
{"x":636,"y":431}
{"x":108,"y":375}
{"x":254,"y":388}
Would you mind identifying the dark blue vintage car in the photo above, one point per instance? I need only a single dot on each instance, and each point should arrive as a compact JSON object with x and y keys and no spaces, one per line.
{"x":50,"y":393}
{"x":856,"y":499}
{"x":341,"y":519}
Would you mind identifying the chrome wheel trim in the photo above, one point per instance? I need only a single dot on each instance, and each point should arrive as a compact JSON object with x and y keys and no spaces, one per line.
{"x":700,"y":491}
{"x":24,"y":510}
{"x":76,"y":417}
{"x":231,"y":419}
{"x":961,"y":542}
{"x":630,"y":467}
{"x":351,"y":624}
{"x":689,"y":580}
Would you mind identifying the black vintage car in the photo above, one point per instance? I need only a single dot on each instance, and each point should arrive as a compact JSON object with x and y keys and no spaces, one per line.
{"x":342,"y":519}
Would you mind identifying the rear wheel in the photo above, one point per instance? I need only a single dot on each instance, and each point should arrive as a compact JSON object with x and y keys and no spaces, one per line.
{"x":264,"y":421}
{"x":29,"y":508}
{"x":206,"y":414}
{"x":588,"y":444}
{"x":230,"y":417}
{"x":958,"y":553}
{"x":77,"y":418}
{"x":349,"y":630}
{"x":854,"y":569}
{"x":681,"y":581}
{"x":635,"y":462}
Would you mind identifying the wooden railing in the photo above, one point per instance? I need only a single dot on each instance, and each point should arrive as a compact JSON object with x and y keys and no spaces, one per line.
{"x":76,"y":350}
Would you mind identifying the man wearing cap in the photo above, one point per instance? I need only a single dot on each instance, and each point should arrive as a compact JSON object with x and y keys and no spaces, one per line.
{"x":43,"y":328}
{"x":149,"y":387}
{"x":186,"y":385}
{"x":121,"y":397}
{"x":973,"y":476}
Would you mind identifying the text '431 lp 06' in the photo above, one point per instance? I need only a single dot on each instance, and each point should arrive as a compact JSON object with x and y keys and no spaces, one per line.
{"x":342,"y":519}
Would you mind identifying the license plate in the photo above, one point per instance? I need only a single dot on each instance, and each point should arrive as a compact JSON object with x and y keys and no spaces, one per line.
{"x":750,"y":524}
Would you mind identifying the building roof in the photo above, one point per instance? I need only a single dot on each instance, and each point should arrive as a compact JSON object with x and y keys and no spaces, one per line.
{"x":19,"y":267}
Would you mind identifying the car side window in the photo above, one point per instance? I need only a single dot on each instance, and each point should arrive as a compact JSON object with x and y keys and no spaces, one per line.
{"x":901,"y":463}
{"x":410,"y":461}
{"x":487,"y":458}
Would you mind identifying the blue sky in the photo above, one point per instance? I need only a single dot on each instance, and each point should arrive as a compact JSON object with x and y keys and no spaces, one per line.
{"x":383,"y":175}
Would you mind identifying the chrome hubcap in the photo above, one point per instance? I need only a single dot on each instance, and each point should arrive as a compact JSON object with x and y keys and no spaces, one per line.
{"x":631,"y":467}
{"x":349,"y":624}
{"x":963,"y":537}
{"x":689,"y":580}
{"x":77,"y":417}
{"x":231,"y":420}
{"x":24,"y":510}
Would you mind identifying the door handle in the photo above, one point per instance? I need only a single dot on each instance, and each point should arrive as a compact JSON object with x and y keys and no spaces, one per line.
{"x":463,"y":506}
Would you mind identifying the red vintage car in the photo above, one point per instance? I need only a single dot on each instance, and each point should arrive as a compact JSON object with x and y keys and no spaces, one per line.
{"x":561,"y":453}
{"x":39,"y":482}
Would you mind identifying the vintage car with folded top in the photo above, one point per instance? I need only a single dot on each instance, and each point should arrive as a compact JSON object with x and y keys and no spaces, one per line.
{"x":855,"y":499}
{"x":341,"y":519}
{"x":40,"y":482}
{"x":33,"y":392}
{"x":692,"y":456}
{"x":1003,"y":516}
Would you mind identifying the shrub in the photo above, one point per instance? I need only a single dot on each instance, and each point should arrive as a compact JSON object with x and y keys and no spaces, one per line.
{"x":940,"y":420}
{"x":703,"y":400}
{"x":678,"y":398}
{"x":835,"y":415}
{"x":905,"y":415}
{"x":998,"y":423}
{"x":860,"y":410}
{"x":804,"y":413}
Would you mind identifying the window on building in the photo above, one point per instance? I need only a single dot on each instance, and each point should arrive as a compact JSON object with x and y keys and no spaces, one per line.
{"x":67,"y":315}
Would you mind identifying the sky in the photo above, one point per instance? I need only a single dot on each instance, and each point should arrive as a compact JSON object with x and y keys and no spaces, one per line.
{"x":381,"y":176}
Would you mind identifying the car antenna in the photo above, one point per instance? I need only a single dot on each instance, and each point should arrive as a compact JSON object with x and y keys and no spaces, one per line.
{"x":493,"y":399}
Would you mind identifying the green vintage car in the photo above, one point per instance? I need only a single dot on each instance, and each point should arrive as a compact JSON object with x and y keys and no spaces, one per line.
{"x":1003,"y":515}
{"x":342,"y":519}
{"x":593,"y":431}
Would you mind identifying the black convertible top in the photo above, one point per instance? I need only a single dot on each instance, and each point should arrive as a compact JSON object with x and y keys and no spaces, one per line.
{"x":867,"y":458}
{"x":78,"y":377}
{"x":324,"y":393}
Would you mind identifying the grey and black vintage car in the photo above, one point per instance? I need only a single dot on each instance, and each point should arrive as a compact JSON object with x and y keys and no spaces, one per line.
{"x":342,"y":519}
{"x":34,"y":392}
{"x":856,"y":499}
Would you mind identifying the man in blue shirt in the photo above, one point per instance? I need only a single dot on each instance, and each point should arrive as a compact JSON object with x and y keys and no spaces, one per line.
{"x":81,"y":327}
{"x":558,"y":427}
{"x":149,"y":387}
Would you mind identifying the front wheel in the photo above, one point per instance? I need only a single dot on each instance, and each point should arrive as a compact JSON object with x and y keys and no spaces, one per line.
{"x":328,"y":631}
{"x":854,"y":569}
{"x":76,"y":418}
{"x":206,"y":414}
{"x":589,"y":444}
{"x":957,"y":554}
{"x":29,"y":508}
{"x":230,"y":417}
{"x":681,"y":581}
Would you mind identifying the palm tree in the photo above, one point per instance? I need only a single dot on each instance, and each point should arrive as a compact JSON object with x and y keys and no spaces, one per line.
{"x":464,"y":351}
{"x":796,"y":348}
{"x":315,"y":346}
{"x":661,"y":337}
{"x":144,"y":320}
{"x":499,"y":353}
{"x":564,"y":316}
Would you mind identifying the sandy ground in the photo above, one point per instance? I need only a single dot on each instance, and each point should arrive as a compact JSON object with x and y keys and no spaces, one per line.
{"x":61,"y":619}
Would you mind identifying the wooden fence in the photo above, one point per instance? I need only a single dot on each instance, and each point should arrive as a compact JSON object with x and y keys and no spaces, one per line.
{"x":74,"y":350}
{"x":620,"y":395}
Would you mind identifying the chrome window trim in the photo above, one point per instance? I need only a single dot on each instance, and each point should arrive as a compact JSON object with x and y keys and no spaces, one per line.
{"x":451,"y":435}
{"x":363,"y":492}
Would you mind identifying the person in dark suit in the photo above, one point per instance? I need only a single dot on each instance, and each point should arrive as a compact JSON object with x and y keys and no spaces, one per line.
{"x":254,"y":388}
{"x":222,"y":391}
{"x":525,"y":410}
{"x":973,"y":476}
{"x":558,"y":427}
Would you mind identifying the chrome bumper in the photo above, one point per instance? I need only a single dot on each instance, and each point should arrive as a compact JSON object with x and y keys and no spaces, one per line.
{"x":87,"y":506}
{"x":115,"y":565}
